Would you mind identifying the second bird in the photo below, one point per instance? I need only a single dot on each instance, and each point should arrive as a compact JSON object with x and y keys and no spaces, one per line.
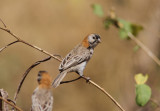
{"x":42,"y":99}
{"x":76,"y":59}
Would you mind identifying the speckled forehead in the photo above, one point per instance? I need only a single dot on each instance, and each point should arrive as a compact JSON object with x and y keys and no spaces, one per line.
{"x":90,"y":38}
{"x":91,"y":35}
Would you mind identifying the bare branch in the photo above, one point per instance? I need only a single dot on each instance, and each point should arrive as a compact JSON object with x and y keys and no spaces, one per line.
{"x":25,"y":75}
{"x":56,"y":58}
{"x":71,"y":80}
{"x":4,"y":95}
{"x":147,"y":50}
{"x":155,"y":102}
{"x":3,"y":23}
{"x":96,"y":85}
{"x":1,"y":49}
{"x":131,"y":36}
{"x":16,"y":107}
{"x":33,"y":46}
{"x":104,"y":91}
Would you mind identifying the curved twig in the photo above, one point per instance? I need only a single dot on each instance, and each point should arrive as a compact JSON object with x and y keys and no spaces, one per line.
{"x":16,"y":107}
{"x":3,"y":23}
{"x":1,"y":49}
{"x":71,"y":80}
{"x":25,"y":75}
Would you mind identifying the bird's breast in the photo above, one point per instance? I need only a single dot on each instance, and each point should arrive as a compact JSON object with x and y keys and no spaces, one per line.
{"x":79,"y":67}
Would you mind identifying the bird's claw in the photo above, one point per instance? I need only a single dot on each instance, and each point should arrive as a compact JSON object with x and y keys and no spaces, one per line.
{"x":87,"y":79}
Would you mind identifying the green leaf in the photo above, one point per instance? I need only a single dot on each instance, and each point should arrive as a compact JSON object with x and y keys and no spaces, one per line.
{"x":136,"y":48}
{"x":136,"y":29}
{"x":123,"y":34}
{"x":108,"y":21}
{"x":97,"y":9}
{"x":143,"y":94}
{"x":125,"y":29}
{"x":140,"y":78}
{"x":128,"y":27}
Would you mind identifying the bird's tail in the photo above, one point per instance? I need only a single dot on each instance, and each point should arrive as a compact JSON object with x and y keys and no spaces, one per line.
{"x":58,"y":79}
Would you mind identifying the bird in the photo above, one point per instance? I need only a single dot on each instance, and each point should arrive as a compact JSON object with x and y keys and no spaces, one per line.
{"x":76,"y":59}
{"x":42,"y":99}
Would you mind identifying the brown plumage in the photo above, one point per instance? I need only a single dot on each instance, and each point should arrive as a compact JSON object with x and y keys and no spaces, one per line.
{"x":85,"y":42}
{"x":42,"y":99}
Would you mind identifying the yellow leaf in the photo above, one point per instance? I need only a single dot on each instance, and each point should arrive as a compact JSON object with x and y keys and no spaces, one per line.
{"x":140,"y":78}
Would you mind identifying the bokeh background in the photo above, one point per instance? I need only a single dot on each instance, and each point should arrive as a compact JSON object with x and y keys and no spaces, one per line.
{"x":57,"y":26}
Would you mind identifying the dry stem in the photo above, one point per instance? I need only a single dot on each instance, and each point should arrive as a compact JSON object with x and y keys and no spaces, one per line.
{"x":16,"y":107}
{"x":33,"y":46}
{"x":147,"y":50}
{"x":1,"y":49}
{"x":25,"y":75}
{"x":4,"y":95}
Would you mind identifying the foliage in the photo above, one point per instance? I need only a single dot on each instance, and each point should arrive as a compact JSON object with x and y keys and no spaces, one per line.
{"x":124,"y":26}
{"x":135,"y":48}
{"x":97,"y":9}
{"x":143,"y":91}
{"x":141,"y":79}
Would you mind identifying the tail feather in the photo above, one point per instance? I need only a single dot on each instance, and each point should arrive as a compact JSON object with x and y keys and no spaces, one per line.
{"x":58,"y":79}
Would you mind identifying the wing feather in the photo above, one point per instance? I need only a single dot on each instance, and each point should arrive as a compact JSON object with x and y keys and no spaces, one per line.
{"x":41,"y":103}
{"x":75,"y":57}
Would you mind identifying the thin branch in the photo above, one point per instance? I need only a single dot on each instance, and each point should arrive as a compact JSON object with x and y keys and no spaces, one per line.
{"x":56,"y":58}
{"x":5,"y":96}
{"x":25,"y":75}
{"x":71,"y":80}
{"x":96,"y":85}
{"x":16,"y":107}
{"x":147,"y":50}
{"x":3,"y":23}
{"x":155,"y":102}
{"x":117,"y":24}
{"x":105,"y":92}
{"x":1,"y":49}
{"x":33,"y":46}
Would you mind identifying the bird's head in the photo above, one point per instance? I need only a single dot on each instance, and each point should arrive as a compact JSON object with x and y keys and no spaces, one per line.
{"x":91,"y":41}
{"x":44,"y":79}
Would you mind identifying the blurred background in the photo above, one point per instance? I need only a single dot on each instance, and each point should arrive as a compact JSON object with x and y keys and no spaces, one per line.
{"x":57,"y":26}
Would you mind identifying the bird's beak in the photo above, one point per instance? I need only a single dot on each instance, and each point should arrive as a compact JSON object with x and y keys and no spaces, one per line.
{"x":99,"y":40}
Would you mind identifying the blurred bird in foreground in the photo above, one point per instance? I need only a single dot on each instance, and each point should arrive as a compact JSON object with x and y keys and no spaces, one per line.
{"x":42,"y":99}
{"x":76,"y":59}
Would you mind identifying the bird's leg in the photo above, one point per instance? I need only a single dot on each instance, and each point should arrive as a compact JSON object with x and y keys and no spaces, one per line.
{"x":86,"y":78}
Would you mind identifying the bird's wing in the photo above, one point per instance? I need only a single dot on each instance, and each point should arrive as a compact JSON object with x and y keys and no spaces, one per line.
{"x":48,"y":104}
{"x":35,"y":103}
{"x":43,"y":105}
{"x":74,"y":58}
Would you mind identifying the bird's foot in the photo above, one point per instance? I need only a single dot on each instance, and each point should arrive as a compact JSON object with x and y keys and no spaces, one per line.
{"x":86,"y":78}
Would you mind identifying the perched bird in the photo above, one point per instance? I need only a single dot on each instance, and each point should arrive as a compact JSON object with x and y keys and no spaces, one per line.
{"x":42,"y":99}
{"x":76,"y":59}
